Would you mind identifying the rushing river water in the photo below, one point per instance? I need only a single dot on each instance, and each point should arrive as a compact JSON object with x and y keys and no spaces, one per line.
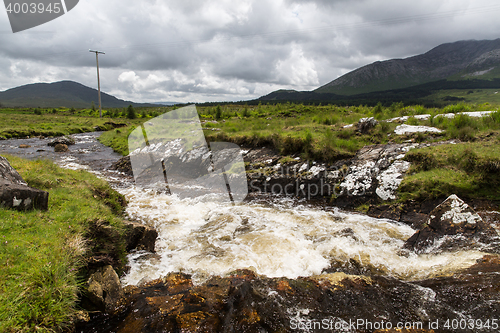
{"x":275,"y":237}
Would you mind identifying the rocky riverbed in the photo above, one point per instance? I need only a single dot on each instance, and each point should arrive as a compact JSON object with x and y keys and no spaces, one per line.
{"x":429,"y":266}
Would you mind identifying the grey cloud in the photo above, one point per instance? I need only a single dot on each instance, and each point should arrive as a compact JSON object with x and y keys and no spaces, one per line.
{"x":195,"y":50}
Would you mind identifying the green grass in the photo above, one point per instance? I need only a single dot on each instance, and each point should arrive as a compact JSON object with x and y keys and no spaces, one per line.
{"x":43,"y":253}
{"x":470,"y":170}
{"x":18,"y":123}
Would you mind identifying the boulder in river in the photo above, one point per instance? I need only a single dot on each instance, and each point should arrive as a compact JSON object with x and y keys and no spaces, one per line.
{"x":123,"y":165}
{"x":64,"y":140}
{"x":453,"y":225}
{"x":14,"y":192}
{"x":61,"y":148}
{"x":140,"y":237}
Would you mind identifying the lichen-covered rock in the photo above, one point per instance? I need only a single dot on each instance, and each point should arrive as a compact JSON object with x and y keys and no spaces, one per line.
{"x":366,"y":124}
{"x":14,"y":192}
{"x":454,"y":225}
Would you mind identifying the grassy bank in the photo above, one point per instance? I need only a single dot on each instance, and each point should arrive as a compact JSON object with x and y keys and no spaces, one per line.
{"x":23,"y":122}
{"x":43,"y":254}
{"x":470,"y":170}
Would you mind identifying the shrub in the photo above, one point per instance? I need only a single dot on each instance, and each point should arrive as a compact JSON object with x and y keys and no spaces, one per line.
{"x":131,"y":112}
{"x":455,"y":108}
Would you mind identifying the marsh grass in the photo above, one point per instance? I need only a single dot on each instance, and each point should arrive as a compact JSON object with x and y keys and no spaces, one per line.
{"x":42,"y":254}
{"x":471,"y":170}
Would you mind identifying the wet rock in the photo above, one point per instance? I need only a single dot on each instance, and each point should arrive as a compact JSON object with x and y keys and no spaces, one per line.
{"x":140,"y":237}
{"x":123,"y":165}
{"x":246,"y":302}
{"x":14,"y":192}
{"x":451,"y":226}
{"x":366,"y":124}
{"x":60,"y":148}
{"x":64,"y":140}
{"x":411,"y":212}
{"x":103,"y":290}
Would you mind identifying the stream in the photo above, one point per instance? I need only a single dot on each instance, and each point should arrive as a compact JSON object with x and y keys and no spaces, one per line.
{"x":275,"y":237}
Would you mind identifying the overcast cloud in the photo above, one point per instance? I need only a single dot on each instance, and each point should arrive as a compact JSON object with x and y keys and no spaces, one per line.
{"x":231,"y":50}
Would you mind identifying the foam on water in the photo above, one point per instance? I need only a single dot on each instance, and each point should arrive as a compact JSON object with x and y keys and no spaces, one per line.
{"x":283,"y":238}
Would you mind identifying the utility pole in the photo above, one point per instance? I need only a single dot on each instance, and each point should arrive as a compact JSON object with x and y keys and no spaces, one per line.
{"x":98,"y":81}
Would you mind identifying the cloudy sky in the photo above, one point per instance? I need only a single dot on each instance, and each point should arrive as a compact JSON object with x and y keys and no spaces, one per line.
{"x":231,"y":50}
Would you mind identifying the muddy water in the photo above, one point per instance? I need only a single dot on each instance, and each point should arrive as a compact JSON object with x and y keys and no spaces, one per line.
{"x":281,"y":237}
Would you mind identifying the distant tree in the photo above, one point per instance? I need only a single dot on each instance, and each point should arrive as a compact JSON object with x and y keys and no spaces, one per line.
{"x":218,"y":112}
{"x":92,"y":106}
{"x":54,"y":111}
{"x":38,"y":111}
{"x":131,"y":112}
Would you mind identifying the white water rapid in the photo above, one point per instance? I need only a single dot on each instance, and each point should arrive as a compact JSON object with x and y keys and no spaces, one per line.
{"x":280,"y":238}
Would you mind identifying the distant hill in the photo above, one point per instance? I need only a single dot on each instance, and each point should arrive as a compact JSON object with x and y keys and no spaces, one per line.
{"x":60,"y":94}
{"x":453,"y":61}
{"x":468,"y":64}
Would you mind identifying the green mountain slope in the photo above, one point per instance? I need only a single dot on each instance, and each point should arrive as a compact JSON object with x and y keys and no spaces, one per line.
{"x":461,"y":60}
{"x":59,"y":94}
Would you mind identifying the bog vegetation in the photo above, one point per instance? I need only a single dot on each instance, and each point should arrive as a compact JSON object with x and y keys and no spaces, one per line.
{"x":42,"y":253}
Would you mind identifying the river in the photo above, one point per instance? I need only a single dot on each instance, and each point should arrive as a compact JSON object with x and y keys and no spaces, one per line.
{"x":273,"y":236}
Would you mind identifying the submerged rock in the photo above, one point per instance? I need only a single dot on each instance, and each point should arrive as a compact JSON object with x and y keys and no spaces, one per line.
{"x":453,"y":225}
{"x":14,"y":192}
